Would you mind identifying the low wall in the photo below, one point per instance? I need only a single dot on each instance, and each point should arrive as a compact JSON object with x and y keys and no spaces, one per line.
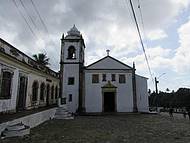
{"x":32,"y":120}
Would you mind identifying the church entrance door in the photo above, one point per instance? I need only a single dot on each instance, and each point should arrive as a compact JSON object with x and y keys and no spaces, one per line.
{"x":109,"y":101}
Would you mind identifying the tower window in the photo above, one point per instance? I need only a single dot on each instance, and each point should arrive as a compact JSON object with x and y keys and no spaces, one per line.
{"x":122,"y":78}
{"x":70,"y":97}
{"x":95,"y":78}
{"x":113,"y":77}
{"x":103,"y":77}
{"x":71,"y":81}
{"x":71,"y":52}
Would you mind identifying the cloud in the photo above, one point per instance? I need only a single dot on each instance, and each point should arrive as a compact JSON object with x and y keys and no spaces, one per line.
{"x":106,"y":24}
{"x":181,"y":60}
{"x":156,"y":34}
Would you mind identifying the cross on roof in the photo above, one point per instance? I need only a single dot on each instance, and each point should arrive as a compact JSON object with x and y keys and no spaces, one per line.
{"x":108,"y":52}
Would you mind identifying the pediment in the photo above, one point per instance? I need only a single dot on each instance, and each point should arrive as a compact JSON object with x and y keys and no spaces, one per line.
{"x":109,"y":85}
{"x":108,"y":62}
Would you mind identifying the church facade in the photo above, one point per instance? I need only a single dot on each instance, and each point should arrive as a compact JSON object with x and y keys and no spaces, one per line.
{"x":108,"y":85}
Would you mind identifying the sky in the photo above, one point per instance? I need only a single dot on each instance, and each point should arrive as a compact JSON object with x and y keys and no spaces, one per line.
{"x":107,"y":24}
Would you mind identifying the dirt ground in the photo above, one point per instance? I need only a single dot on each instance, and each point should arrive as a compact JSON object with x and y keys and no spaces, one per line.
{"x":130,"y":128}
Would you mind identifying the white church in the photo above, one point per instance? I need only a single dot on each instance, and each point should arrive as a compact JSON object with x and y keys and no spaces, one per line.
{"x":107,"y":85}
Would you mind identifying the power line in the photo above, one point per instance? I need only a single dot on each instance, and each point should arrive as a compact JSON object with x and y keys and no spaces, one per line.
{"x":143,"y":27}
{"x":22,"y":15}
{"x":38,"y":13}
{"x":31,"y":19}
{"x":42,"y":21}
{"x":141,"y":16}
{"x":43,"y":24}
{"x":141,"y":41}
{"x":128,"y":7}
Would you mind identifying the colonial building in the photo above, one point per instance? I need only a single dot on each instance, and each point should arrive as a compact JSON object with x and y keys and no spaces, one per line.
{"x":24,"y":84}
{"x":107,"y":85}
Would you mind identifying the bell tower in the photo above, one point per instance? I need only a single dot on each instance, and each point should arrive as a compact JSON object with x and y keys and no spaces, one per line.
{"x":71,"y":72}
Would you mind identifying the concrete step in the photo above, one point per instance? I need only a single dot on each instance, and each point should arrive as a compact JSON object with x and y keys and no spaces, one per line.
{"x":62,"y":113}
{"x":16,"y":127}
{"x":64,"y":117}
{"x":15,"y":130}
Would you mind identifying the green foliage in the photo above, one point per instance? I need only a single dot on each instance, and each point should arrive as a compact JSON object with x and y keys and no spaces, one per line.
{"x":41,"y":59}
{"x":178,"y":99}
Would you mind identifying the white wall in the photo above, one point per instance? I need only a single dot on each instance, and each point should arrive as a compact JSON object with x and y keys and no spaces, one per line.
{"x":93,"y":91}
{"x":41,"y":79}
{"x":71,"y":70}
{"x":7,"y":105}
{"x":32,"y":120}
{"x":10,"y":104}
{"x":142,"y":94}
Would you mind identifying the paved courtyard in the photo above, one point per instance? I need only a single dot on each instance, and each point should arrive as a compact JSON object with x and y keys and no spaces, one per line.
{"x":130,"y":128}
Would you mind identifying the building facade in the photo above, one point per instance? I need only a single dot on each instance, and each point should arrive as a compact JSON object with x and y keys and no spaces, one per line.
{"x":107,"y":85}
{"x":24,"y":84}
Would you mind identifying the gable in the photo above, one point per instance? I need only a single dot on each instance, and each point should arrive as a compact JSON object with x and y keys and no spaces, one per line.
{"x":108,"y":63}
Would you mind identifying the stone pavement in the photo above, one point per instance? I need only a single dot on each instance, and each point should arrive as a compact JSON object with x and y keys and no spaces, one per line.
{"x":129,"y":128}
{"x":175,"y":115}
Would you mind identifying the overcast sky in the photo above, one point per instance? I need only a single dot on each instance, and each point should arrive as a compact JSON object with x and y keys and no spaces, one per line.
{"x":107,"y":24}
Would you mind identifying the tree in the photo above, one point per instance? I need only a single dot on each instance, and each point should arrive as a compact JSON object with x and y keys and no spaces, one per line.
{"x":41,"y":58}
{"x":178,"y":99}
{"x":167,"y":89}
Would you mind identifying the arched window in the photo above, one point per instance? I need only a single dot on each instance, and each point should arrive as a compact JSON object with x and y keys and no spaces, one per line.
{"x":56,"y":92}
{"x":71,"y":52}
{"x":6,"y":81}
{"x":42,"y":91}
{"x":52,"y":92}
{"x":35,"y":91}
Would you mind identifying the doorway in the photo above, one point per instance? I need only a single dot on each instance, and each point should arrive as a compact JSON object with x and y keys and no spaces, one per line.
{"x":21,"y":102}
{"x":109,"y":101}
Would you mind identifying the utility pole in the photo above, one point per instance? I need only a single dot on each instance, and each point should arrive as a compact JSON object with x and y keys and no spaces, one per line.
{"x":156,"y":85}
{"x":156,"y":82}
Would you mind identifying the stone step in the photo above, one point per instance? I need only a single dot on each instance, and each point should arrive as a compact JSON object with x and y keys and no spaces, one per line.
{"x":62,"y":113}
{"x":16,"y":130}
{"x":64,"y":117}
{"x":62,"y":110}
{"x":16,"y":127}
